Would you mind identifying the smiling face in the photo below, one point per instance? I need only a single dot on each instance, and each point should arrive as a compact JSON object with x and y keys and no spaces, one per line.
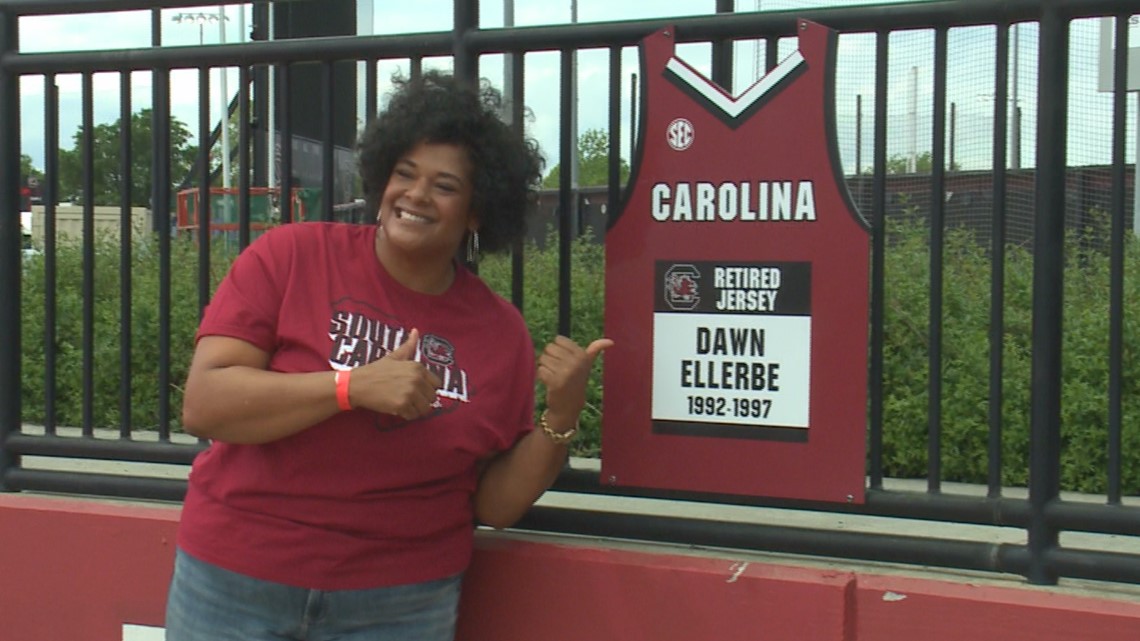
{"x":426,"y":207}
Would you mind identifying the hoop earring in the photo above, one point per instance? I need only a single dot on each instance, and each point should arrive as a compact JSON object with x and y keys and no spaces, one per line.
{"x":473,"y":247}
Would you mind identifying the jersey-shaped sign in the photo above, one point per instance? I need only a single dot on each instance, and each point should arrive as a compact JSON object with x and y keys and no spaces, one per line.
{"x":736,"y":289}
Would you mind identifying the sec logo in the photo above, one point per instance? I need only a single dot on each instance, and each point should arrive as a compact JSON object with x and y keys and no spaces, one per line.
{"x":679,"y":134}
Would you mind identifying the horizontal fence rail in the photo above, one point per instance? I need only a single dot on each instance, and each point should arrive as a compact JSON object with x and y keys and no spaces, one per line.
{"x":1023,"y":208}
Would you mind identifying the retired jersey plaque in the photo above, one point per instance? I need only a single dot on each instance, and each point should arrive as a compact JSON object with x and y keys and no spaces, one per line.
{"x":736,"y":288}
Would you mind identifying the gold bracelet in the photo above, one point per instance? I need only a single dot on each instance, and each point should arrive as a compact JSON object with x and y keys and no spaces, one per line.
{"x":560,"y":438}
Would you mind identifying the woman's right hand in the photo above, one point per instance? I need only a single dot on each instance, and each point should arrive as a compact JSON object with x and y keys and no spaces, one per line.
{"x":395,"y":384}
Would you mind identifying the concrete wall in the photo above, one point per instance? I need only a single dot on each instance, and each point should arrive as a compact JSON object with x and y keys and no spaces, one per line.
{"x":86,"y":570}
{"x":69,"y":222}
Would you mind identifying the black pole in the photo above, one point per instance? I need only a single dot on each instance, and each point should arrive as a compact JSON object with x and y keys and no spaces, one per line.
{"x":878,"y":263}
{"x":1048,"y":291}
{"x":126,"y":220}
{"x":997,"y":252}
{"x":1116,"y":253}
{"x":204,"y":207}
{"x":328,"y":121}
{"x":633,"y":106}
{"x":50,"y":198}
{"x":160,"y":204}
{"x":156,"y":41}
{"x":244,"y":139}
{"x":859,"y":142}
{"x":466,"y":13}
{"x":11,"y":241}
{"x":518,"y":113}
{"x":722,"y":51}
{"x":567,"y":147}
{"x":937,"y":236}
{"x":613,"y":182}
{"x":259,"y":30}
{"x":87,"y":156}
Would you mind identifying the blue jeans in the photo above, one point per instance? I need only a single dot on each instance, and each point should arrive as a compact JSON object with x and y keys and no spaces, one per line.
{"x":208,"y":603}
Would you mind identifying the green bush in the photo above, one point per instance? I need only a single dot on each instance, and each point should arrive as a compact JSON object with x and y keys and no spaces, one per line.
{"x":540,"y":307}
{"x":965,"y":366}
{"x":106,"y":330}
{"x":964,"y":372}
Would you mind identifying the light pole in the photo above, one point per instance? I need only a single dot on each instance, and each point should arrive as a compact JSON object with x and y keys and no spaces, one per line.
{"x":202,"y":19}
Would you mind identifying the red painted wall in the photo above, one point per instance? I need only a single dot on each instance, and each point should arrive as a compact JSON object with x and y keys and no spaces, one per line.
{"x":79,"y":569}
{"x":524,"y":590}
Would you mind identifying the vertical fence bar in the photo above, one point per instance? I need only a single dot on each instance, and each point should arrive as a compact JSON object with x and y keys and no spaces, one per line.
{"x":878,"y":220}
{"x":11,"y":239}
{"x":160,"y":204}
{"x":567,"y":148}
{"x":722,"y":52}
{"x":161,"y":186}
{"x":1116,"y":259}
{"x":859,"y":143}
{"x":371,"y":88}
{"x":997,"y":262}
{"x":937,"y":265}
{"x":328,"y":104}
{"x":259,"y":31}
{"x":613,"y":184}
{"x":518,"y":113}
{"x":88,"y":340}
{"x":284,"y":141}
{"x":205,"y":224}
{"x":50,"y":197}
{"x":466,"y":19}
{"x":416,"y":67}
{"x":1048,"y":290}
{"x":771,"y":52}
{"x":634,"y":105}
{"x":156,"y":41}
{"x":244,"y":141}
{"x":126,"y":192}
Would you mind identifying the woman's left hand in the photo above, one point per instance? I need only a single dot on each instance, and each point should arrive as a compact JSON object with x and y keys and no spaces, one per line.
{"x":564,"y":367}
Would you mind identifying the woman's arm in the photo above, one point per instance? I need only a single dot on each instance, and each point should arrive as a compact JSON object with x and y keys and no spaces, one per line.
{"x":231,"y":397}
{"x":512,"y":481}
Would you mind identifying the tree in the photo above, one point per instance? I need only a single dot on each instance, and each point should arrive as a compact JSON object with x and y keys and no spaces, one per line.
{"x":593,"y":162}
{"x":107,"y":172}
{"x":28,"y":170}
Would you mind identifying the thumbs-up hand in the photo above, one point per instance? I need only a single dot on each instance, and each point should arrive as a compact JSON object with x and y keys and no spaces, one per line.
{"x":564,"y":368}
{"x":395,"y":384}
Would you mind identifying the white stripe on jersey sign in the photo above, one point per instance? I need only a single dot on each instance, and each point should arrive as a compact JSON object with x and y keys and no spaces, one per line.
{"x":729,"y":105}
{"x":133,"y":632}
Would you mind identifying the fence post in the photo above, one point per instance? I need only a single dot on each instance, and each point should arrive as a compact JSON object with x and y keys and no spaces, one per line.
{"x":722,"y":52}
{"x":466,"y":18}
{"x":1048,"y":291}
{"x":11,"y":239}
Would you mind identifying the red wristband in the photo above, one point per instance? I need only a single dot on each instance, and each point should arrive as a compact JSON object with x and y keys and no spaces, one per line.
{"x":342,"y":376}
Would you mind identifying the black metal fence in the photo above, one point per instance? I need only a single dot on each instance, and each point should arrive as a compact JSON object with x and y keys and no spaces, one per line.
{"x":1043,"y":515}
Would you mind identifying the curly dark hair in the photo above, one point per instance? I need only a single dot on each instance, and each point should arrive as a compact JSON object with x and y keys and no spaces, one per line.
{"x":439,"y":108}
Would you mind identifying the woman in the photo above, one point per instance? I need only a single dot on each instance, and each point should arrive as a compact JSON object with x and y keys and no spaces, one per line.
{"x":369,"y":399}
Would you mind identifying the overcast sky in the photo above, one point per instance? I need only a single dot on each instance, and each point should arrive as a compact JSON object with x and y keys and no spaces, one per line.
{"x":910,"y":91}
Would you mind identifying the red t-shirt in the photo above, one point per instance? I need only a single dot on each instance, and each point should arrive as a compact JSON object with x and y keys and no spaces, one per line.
{"x":362,"y":499}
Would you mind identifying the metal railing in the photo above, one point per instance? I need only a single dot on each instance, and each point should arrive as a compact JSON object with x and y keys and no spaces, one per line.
{"x":1043,"y":515}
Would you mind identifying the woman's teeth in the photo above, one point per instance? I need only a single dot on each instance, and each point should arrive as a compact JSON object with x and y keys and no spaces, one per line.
{"x":407,"y":215}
